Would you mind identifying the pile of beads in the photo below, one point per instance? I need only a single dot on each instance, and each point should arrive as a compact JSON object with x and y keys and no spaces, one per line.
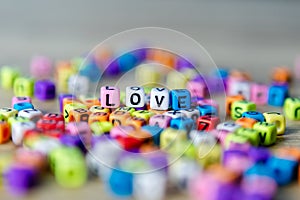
{"x":146,"y":131}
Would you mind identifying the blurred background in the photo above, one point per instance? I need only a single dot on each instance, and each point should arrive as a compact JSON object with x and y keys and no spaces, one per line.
{"x":252,"y":35}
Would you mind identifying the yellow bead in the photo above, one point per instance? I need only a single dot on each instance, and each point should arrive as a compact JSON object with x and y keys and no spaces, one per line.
{"x":69,"y":107}
{"x":208,"y":154}
{"x":170,"y":137}
{"x":277,"y":119}
{"x":8,"y":112}
{"x":176,"y":80}
{"x":291,"y":108}
{"x":145,"y":114}
{"x":98,"y":108}
{"x":146,"y":74}
{"x":23,"y":86}
{"x":63,"y":72}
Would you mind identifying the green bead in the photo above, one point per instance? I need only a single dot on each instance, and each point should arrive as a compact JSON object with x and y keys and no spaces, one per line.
{"x":127,"y":109}
{"x":8,"y":76}
{"x":251,"y":134}
{"x":68,"y":165}
{"x":145,"y":114}
{"x":183,"y":148}
{"x":72,"y":106}
{"x":23,"y":86}
{"x":267,"y":133}
{"x":170,"y":137}
{"x":3,"y":118}
{"x":99,"y":128}
{"x":235,"y":138}
{"x":14,"y":119}
{"x":8,"y":112}
{"x":291,"y":108}
{"x":239,"y":107}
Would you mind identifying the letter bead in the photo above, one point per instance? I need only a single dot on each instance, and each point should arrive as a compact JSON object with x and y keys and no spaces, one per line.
{"x":183,"y":123}
{"x":239,"y":107}
{"x":174,"y":114}
{"x":98,"y":117}
{"x":18,"y":130}
{"x":110,"y":97}
{"x":8,"y":112}
{"x":180,"y":99}
{"x":259,"y":93}
{"x":162,"y":121}
{"x":97,"y":108}
{"x":254,"y":115}
{"x":22,"y":106}
{"x":207,"y":110}
{"x":240,"y":88}
{"x":71,"y":106}
{"x":246,"y":122}
{"x":230,"y":100}
{"x":136,"y":122}
{"x":277,"y":119}
{"x":44,"y":90}
{"x":23,"y":87}
{"x":79,"y":114}
{"x":267,"y":133}
{"x":194,"y":114}
{"x":145,"y":114}
{"x":119,"y":117}
{"x":277,"y":95}
{"x":291,"y":108}
{"x":31,"y":114}
{"x":207,"y":122}
{"x":16,"y":99}
{"x":251,"y":134}
{"x":229,"y":126}
{"x":135,"y":97}
{"x":8,"y":76}
{"x":159,"y":99}
{"x":196,"y":88}
{"x":53,"y":116}
{"x":101,"y":127}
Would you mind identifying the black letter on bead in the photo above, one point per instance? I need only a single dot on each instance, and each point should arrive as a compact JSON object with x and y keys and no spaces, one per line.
{"x":138,"y":99}
{"x":107,"y":101}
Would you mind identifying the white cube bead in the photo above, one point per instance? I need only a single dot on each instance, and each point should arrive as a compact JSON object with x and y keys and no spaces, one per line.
{"x":229,"y":126}
{"x":174,"y":114}
{"x":135,"y":97}
{"x":31,"y":114}
{"x":18,"y":130}
{"x":78,"y":85}
{"x":159,"y":99}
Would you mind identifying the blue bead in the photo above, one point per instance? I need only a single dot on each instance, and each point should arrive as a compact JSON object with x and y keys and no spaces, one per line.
{"x":155,"y":131}
{"x":284,"y":169}
{"x":277,"y":95}
{"x":187,"y":124}
{"x":121,"y":183}
{"x":22,"y":106}
{"x":91,"y":70}
{"x":112,"y":69}
{"x":127,"y":61}
{"x":207,"y":110}
{"x":180,"y":99}
{"x":260,"y":169}
{"x":254,"y":115}
{"x":221,"y":72}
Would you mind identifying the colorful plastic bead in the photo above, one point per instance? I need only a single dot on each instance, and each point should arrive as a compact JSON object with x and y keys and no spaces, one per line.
{"x":61,"y":98}
{"x":23,"y":86}
{"x":18,"y":130}
{"x":229,"y":126}
{"x":147,"y":74}
{"x":98,"y":117}
{"x":4,"y":132}
{"x":41,"y":67}
{"x":169,"y":137}
{"x":174,"y":114}
{"x":78,"y":84}
{"x":71,"y":106}
{"x":145,"y":114}
{"x":16,"y":99}
{"x":110,"y":97}
{"x":267,"y":133}
{"x":8,"y":76}
{"x":252,"y":135}
{"x":240,"y":88}
{"x":180,"y":99}
{"x":23,"y":106}
{"x":246,"y":122}
{"x":44,"y":90}
{"x":119,"y":117}
{"x":122,"y":188}
{"x":31,"y":114}
{"x":8,"y":112}
{"x":291,"y":108}
{"x":207,"y":122}
{"x":277,"y":95}
{"x":197,"y":89}
{"x":230,"y":100}
{"x":277,"y":119}
{"x":159,"y":99}
{"x":99,"y":128}
{"x":207,"y":110}
{"x":79,"y":114}
{"x":161,"y":121}
{"x":239,"y":107}
{"x":135,"y":97}
{"x":136,"y":122}
{"x":259,"y":93}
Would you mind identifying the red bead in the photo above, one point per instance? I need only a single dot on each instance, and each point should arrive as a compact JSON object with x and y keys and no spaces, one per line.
{"x":207,"y":122}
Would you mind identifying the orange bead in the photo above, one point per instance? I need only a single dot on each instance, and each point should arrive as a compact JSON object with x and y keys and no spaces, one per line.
{"x":223,"y":174}
{"x":69,"y":100}
{"x":91,"y":102}
{"x":162,"y":57}
{"x":136,"y":122}
{"x":148,"y":148}
{"x":4,"y":132}
{"x":31,"y":158}
{"x":288,"y":152}
{"x":98,"y":117}
{"x":281,"y":74}
{"x":246,"y":122}
{"x":140,"y":134}
{"x":118,"y":118}
{"x":79,"y":114}
{"x":230,"y":100}
{"x":157,"y":112}
{"x":240,"y":75}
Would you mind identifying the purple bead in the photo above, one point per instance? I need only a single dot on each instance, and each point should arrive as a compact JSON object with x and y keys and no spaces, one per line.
{"x":97,"y":138}
{"x":258,"y":154}
{"x":182,"y":63}
{"x":214,"y":84}
{"x":61,"y":98}
{"x":140,"y":54}
{"x":19,"y":178}
{"x":73,"y":141}
{"x":44,"y":90}
{"x":112,"y":69}
{"x":226,"y":191}
{"x":158,"y":160}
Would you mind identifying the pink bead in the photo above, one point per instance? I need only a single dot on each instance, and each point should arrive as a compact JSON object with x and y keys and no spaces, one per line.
{"x":259,"y":93}
{"x":121,"y":131}
{"x":203,"y":187}
{"x":82,"y":129}
{"x":163,"y":121}
{"x":220,"y":135}
{"x":20,"y":100}
{"x":41,"y":67}
{"x":110,"y":97}
{"x":256,"y":184}
{"x":243,"y":147}
{"x":238,"y":163}
{"x":197,"y":89}
{"x":210,"y":102}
